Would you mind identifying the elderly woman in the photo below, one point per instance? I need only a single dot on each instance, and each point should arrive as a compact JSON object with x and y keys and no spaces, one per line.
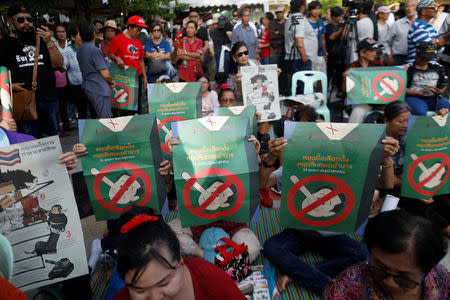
{"x":404,"y":254}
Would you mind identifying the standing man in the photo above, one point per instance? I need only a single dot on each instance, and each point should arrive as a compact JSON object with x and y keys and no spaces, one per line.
{"x":126,"y":50}
{"x":421,"y":31}
{"x":23,"y":48}
{"x":397,"y":38}
{"x":276,"y":34}
{"x":96,"y":80}
{"x":245,"y":33}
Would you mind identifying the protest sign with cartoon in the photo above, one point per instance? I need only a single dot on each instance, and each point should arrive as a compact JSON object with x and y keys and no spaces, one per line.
{"x":121,"y":168}
{"x":124,"y":94}
{"x":329,"y":174}
{"x":172,"y":102}
{"x":375,"y":85}
{"x":426,"y":161}
{"x":39,"y":215}
{"x":215,"y":169}
{"x":260,"y":88}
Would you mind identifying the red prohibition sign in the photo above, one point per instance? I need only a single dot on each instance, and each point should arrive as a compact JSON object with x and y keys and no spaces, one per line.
{"x":165,"y":146}
{"x":126,"y":90}
{"x":231,"y":179}
{"x":417,"y":186}
{"x":342,"y":187}
{"x":381,"y":80}
{"x":137,"y":172}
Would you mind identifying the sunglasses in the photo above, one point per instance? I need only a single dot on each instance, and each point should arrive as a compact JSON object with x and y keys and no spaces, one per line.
{"x":228,"y":100}
{"x":235,"y":16}
{"x":156,"y":30}
{"x":20,"y":20}
{"x":380,"y":274}
{"x":242,"y":53}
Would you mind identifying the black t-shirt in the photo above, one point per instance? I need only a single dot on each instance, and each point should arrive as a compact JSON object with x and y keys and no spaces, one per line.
{"x":333,"y":46}
{"x":22,"y":71}
{"x":202,"y":33}
{"x":6,"y":52}
{"x":219,"y":37}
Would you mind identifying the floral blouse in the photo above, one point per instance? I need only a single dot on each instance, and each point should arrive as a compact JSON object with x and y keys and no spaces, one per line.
{"x":356,"y":283}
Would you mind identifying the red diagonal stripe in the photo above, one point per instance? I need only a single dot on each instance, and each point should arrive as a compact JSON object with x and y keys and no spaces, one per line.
{"x":321,"y":201}
{"x":123,"y":189}
{"x":431,"y":176}
{"x":214,"y":195}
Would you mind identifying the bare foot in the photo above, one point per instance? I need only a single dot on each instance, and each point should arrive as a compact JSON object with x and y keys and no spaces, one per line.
{"x":282,"y":282}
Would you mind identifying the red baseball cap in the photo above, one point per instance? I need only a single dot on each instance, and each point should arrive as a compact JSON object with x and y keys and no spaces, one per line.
{"x":137,"y":20}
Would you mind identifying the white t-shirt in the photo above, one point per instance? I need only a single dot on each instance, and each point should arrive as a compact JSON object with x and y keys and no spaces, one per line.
{"x":365,"y":28}
{"x":209,"y":103}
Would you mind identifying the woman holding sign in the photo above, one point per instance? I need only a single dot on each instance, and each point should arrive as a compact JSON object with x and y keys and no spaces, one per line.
{"x":403,"y":264}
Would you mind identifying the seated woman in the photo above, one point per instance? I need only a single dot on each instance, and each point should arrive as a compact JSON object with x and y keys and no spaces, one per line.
{"x":404,"y":254}
{"x":239,"y":58}
{"x":150,"y":263}
{"x":209,"y":97}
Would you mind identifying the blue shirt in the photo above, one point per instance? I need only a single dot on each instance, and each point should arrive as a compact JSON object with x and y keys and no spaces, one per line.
{"x":320,"y":29}
{"x":248,"y":36}
{"x":91,"y":61}
{"x":71,"y":65}
{"x":419,"y":32}
{"x":152,"y":47}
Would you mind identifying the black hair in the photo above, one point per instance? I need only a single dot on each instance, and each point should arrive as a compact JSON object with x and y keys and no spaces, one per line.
{"x":296,"y":5}
{"x":59,"y":207}
{"x":199,"y":76}
{"x":221,"y":78}
{"x":86,"y":31}
{"x":395,"y":108}
{"x":366,"y":8}
{"x":313,"y":5}
{"x":192,"y":22}
{"x":224,"y":90}
{"x":269,"y":16}
{"x":156,"y":24}
{"x":336,"y":11}
{"x":306,"y":111}
{"x":193,"y":9}
{"x":144,"y":242}
{"x":97,"y":21}
{"x":233,"y":67}
{"x":395,"y":231}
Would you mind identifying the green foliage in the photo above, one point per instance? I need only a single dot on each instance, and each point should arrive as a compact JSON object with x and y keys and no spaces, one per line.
{"x":331,"y":3}
{"x":147,"y":8}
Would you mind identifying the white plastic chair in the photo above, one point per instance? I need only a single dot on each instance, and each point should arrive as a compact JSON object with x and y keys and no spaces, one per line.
{"x":6,"y":258}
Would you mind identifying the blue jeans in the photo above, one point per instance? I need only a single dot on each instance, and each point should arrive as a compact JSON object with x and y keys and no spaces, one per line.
{"x":420,"y":106}
{"x":265,"y":60}
{"x":28,"y":127}
{"x":48,"y":117}
{"x":338,"y":251}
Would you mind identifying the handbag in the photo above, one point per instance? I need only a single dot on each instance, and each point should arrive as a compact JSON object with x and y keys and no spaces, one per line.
{"x":24,"y":102}
{"x":156,"y":66}
{"x":235,"y":263}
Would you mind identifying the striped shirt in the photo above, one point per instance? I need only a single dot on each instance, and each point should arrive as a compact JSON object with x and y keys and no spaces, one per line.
{"x":71,"y":65}
{"x":419,"y":32}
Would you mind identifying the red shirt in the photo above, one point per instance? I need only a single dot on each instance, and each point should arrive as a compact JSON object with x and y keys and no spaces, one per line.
{"x":209,"y":282}
{"x":265,"y":52}
{"x":193,"y":67}
{"x":130,"y":51}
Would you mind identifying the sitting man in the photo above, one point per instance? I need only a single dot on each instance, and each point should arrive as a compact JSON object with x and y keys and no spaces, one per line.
{"x":338,"y":250}
{"x":426,"y":81}
{"x":367,"y":52}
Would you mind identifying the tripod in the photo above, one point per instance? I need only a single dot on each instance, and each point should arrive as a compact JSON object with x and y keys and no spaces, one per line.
{"x":352,"y":39}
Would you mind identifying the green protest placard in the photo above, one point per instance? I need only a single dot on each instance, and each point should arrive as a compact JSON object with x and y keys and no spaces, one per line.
{"x":121,"y":168}
{"x":174,"y":102}
{"x":426,"y":165}
{"x":329,"y":174}
{"x":216,"y":170}
{"x":124,"y":94}
{"x":375,"y":85}
{"x":249,"y":111}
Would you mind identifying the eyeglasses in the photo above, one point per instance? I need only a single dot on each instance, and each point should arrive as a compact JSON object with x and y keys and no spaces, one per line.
{"x":242,"y":53}
{"x":380,"y":274}
{"x":20,"y":20}
{"x":235,"y":16}
{"x":156,"y":30}
{"x":228,"y":100}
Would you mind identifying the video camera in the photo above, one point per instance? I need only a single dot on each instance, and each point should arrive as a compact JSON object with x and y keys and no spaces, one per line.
{"x":355,"y":6}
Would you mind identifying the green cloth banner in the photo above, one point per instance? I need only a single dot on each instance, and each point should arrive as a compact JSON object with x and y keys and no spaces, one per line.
{"x":5,"y":93}
{"x":216,"y":170}
{"x":174,"y":102}
{"x":249,"y":111}
{"x":121,"y":168}
{"x":329,"y":176}
{"x":376,"y":85}
{"x":426,"y":161}
{"x":124,"y":94}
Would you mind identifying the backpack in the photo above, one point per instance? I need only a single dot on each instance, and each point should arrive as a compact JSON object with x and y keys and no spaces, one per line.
{"x":222,"y":22}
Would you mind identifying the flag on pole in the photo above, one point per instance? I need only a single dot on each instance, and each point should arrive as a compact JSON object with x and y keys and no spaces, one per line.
{"x":5,"y":93}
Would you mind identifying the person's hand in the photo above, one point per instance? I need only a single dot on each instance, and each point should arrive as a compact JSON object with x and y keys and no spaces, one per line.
{"x":120,"y":63}
{"x":441,"y":112}
{"x":258,"y":116}
{"x":172,"y":142}
{"x":256,"y":143}
{"x":79,"y":150}
{"x":427,"y":201}
{"x":69,"y":159}
{"x":276,"y":147}
{"x":238,"y":77}
{"x":112,"y":84}
{"x":430,"y":89}
{"x":346,"y":73}
{"x":391,"y":146}
{"x":9,"y":124}
{"x":17,"y":87}
{"x":325,"y":58}
{"x":44,"y":33}
{"x":165,"y":167}
{"x":304,"y":59}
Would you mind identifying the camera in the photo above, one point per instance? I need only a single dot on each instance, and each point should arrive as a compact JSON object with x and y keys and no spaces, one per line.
{"x":356,"y":3}
{"x":41,"y":22}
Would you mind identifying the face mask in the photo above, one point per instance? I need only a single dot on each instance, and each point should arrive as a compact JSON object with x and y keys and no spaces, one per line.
{"x":234,"y":21}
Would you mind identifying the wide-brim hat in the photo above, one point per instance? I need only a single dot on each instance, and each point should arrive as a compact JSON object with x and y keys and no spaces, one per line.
{"x":111,"y":24}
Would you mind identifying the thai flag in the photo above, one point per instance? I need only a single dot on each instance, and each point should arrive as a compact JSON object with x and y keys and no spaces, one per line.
{"x":10,"y":158}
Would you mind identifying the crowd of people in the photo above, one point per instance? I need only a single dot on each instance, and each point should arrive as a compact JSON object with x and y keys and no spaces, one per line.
{"x":400,"y":255}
